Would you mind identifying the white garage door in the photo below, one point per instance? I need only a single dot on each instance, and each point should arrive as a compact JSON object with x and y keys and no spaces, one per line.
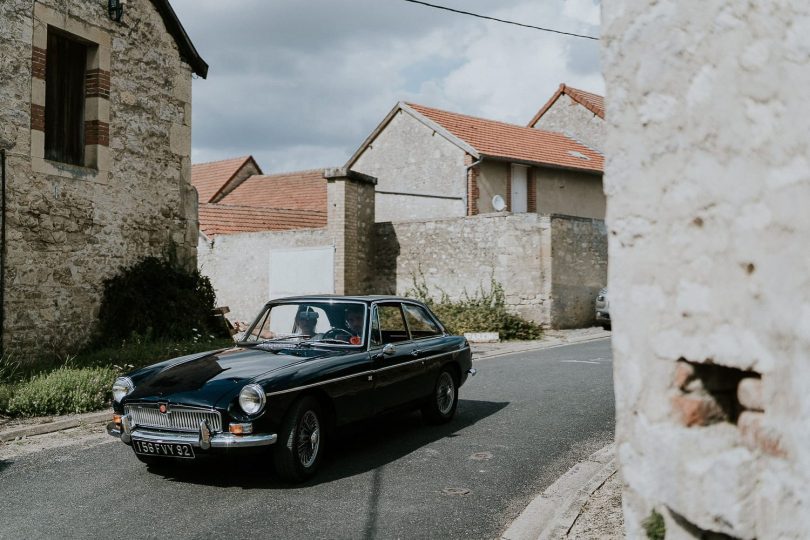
{"x":302,"y":271}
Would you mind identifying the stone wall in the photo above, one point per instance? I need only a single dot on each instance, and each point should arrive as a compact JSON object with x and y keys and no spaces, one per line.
{"x":69,"y":228}
{"x":579,"y":269}
{"x":569,"y":117}
{"x":409,"y":159}
{"x":238,"y":265}
{"x":708,"y":181}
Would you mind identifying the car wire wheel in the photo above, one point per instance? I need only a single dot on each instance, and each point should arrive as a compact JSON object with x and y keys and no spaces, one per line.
{"x":445,"y":393}
{"x":309,"y":438}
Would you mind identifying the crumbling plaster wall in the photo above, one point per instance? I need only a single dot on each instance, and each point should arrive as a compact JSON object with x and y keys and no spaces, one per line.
{"x":67,"y":232}
{"x":707,"y":180}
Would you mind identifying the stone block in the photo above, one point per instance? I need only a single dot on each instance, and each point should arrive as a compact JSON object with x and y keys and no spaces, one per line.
{"x":749,"y":394}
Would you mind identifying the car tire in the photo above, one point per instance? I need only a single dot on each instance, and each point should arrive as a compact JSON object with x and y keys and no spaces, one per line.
{"x":300,"y":446}
{"x":441,"y":406}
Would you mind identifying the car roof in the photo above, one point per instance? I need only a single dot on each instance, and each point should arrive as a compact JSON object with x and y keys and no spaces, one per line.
{"x":367,"y":299}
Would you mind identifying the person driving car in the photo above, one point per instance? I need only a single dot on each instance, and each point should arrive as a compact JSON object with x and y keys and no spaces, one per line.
{"x":354,"y":320}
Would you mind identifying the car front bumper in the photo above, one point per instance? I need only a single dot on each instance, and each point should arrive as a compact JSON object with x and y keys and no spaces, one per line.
{"x":203,"y":439}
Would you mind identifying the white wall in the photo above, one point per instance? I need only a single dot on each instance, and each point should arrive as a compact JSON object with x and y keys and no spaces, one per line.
{"x":708,"y":184}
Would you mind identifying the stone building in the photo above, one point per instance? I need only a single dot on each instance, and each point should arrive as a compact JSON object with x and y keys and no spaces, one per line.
{"x":708,"y":184}
{"x":96,"y":124}
{"x":431,"y":163}
{"x":577,"y":113}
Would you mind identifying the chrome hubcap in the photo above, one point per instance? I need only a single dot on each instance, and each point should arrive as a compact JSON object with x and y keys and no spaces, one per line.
{"x":309,"y":439}
{"x":445,"y":393}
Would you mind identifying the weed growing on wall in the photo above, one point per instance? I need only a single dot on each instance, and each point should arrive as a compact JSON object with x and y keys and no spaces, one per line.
{"x":156,"y":299}
{"x":483,"y":311}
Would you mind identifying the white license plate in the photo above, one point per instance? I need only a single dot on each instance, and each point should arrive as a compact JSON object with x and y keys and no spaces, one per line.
{"x":176,"y":450}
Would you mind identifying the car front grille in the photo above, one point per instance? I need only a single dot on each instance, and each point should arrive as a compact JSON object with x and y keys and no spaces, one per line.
{"x":177,"y":418}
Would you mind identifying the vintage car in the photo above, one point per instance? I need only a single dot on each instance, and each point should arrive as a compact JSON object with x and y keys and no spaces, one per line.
{"x":305,"y":366}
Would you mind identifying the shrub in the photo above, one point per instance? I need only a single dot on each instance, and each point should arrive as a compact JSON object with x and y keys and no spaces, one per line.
{"x":158,"y":300}
{"x":484,"y":311}
{"x":63,"y":391}
{"x":654,"y":526}
{"x":6,"y":392}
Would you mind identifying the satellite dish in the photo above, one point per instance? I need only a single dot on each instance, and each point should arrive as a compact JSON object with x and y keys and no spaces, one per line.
{"x":498,"y":203}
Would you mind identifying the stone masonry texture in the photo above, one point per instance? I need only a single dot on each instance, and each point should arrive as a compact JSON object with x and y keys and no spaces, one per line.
{"x":69,"y":231}
{"x":707,"y":180}
{"x":569,"y":117}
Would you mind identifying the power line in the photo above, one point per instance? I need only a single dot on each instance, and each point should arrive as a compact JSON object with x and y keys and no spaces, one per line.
{"x":503,"y":20}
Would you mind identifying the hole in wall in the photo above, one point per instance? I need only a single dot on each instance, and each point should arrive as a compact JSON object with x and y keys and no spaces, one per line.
{"x":698,"y":222}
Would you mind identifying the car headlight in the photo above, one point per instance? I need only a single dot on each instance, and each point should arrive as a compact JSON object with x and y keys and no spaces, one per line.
{"x":121,"y":387}
{"x":252,"y":399}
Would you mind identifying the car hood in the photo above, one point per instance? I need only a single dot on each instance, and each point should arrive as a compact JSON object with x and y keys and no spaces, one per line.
{"x":203,"y":380}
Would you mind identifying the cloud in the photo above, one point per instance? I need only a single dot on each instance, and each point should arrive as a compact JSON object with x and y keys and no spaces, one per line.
{"x":300,"y":85}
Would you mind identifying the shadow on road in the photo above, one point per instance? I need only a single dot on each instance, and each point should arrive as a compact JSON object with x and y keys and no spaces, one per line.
{"x":353,"y":450}
{"x":4,"y":465}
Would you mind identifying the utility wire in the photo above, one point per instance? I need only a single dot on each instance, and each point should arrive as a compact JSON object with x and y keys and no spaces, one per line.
{"x":503,"y":20}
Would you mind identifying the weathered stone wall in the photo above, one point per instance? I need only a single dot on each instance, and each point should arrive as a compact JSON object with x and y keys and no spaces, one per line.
{"x":408,"y":157}
{"x":463,"y":254}
{"x":69,"y":228}
{"x":578,"y":269}
{"x":570,"y":193}
{"x":238,"y":265}
{"x":569,"y":117}
{"x":708,"y":181}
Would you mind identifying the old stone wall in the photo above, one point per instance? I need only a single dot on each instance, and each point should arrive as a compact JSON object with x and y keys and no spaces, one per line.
{"x":238,"y":265}
{"x":69,"y":228}
{"x":708,"y":181}
{"x":578,"y":269}
{"x":569,"y":117}
{"x":463,"y":254}
{"x":410,"y":161}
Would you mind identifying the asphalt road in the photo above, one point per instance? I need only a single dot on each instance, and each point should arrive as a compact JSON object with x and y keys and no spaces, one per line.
{"x":522,"y":422}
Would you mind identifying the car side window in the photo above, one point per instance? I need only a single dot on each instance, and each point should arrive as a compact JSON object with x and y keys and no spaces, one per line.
{"x":392,"y":323}
{"x":420,"y":322}
{"x":376,"y":337}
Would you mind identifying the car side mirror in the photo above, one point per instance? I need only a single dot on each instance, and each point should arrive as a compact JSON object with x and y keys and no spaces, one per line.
{"x":388,"y":349}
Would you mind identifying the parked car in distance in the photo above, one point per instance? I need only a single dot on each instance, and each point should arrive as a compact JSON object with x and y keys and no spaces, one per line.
{"x":603,"y":309}
{"x":305,"y":366}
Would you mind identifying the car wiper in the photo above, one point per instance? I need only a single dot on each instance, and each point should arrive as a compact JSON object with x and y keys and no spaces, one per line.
{"x":282,"y":338}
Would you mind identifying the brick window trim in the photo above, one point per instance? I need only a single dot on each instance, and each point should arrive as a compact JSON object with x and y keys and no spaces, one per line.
{"x":97,"y":93}
{"x":472,"y":189}
{"x":531,"y":191}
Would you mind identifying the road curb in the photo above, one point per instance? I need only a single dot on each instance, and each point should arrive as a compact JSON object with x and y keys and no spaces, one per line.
{"x":552,"y":513}
{"x":57,"y":425}
{"x":542,"y":345}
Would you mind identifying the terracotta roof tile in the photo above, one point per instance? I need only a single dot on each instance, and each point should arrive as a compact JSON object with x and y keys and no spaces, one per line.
{"x":218,"y":219}
{"x":519,"y":143}
{"x":593,"y":102}
{"x":304,"y":190}
{"x":208,"y":178}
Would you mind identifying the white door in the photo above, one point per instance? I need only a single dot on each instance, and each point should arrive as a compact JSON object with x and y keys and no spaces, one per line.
{"x":295,"y":271}
{"x":520,"y":202}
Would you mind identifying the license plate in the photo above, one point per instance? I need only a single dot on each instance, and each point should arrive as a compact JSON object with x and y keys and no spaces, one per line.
{"x":177,"y":450}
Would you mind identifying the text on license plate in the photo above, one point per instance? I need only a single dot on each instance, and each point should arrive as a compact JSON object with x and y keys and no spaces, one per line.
{"x":163,"y":449}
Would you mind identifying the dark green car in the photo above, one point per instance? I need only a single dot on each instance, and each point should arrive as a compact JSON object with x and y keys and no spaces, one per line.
{"x":306,"y":365}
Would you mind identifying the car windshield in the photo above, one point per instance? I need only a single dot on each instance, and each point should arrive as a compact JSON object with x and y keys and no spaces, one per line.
{"x":315,"y":322}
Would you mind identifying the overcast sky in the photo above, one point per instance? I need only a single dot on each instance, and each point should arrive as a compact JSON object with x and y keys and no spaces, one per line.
{"x":300,"y":85}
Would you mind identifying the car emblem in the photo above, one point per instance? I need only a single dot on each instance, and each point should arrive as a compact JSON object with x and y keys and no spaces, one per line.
{"x":163,"y":408}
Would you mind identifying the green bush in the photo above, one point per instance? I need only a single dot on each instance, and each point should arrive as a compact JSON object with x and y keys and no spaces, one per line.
{"x":6,"y":392}
{"x":484,"y":311}
{"x":654,"y":526}
{"x":63,"y":391}
{"x":156,"y":299}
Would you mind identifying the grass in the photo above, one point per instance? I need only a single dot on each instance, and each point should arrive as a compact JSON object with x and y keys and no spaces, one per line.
{"x":82,"y":383}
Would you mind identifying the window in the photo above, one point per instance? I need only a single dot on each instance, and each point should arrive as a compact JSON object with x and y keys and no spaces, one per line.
{"x":392,"y":325}
{"x":64,"y":99}
{"x":376,"y":337}
{"x":420,"y":323}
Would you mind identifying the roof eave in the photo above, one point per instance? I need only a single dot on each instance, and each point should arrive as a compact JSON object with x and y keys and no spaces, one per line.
{"x":187,"y":50}
{"x":543,"y":164}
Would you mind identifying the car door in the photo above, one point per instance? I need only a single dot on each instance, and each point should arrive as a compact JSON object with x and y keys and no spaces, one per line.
{"x":429,"y":345}
{"x":397,"y":366}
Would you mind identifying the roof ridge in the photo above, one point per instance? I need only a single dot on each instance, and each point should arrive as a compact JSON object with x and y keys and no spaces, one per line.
{"x":466,"y":115}
{"x":262,"y":208}
{"x":290,"y":173}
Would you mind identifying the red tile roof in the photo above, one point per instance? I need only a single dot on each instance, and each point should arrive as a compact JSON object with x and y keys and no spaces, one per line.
{"x":218,"y":219}
{"x":304,"y":190}
{"x":593,"y":102}
{"x":512,"y":142}
{"x":209,"y":178}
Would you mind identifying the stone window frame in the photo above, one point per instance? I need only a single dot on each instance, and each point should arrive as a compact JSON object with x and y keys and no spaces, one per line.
{"x":97,"y":96}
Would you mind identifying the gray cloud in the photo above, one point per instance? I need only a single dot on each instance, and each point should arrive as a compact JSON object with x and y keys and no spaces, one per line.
{"x":301,"y":84}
